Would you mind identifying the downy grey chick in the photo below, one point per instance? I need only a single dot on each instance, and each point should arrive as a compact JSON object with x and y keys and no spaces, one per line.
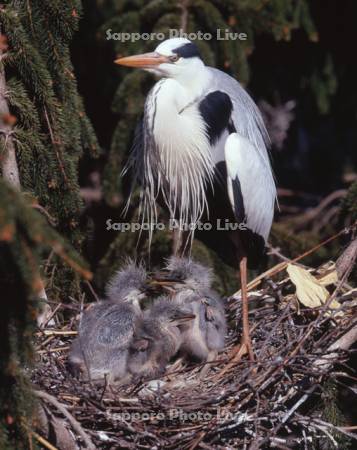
{"x":107,"y":327}
{"x":191,"y":282}
{"x":157,"y":338}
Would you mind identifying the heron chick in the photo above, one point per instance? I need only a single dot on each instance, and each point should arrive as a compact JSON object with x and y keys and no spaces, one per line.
{"x":203,"y":337}
{"x":158,"y":337}
{"x":106,"y":329}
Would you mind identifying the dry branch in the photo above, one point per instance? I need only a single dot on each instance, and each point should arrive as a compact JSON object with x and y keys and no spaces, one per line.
{"x":74,"y":423}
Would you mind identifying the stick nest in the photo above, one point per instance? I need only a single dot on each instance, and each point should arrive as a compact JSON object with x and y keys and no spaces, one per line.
{"x":268,"y":403}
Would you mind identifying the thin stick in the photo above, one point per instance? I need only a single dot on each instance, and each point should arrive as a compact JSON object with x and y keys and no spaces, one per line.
{"x":75,"y":424}
{"x":41,"y":440}
{"x":58,"y":333}
{"x":53,"y":350}
{"x":92,"y":290}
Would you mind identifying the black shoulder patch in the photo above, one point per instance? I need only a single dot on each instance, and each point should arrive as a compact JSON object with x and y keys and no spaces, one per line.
{"x":231,"y":128}
{"x":216,"y":109}
{"x":253,"y":243}
{"x":238,"y":200}
{"x":187,"y":50}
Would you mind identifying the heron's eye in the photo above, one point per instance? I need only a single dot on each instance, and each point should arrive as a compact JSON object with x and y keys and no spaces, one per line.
{"x":174,"y":58}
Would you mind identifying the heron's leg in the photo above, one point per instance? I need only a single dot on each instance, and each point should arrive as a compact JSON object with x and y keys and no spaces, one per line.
{"x":245,"y":341}
{"x":181,"y":245}
{"x":176,"y":241}
{"x":245,"y":345}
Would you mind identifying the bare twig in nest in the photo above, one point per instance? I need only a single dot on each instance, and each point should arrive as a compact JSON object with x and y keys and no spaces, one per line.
{"x":92,"y":291}
{"x":59,"y":332}
{"x":347,"y":260}
{"x":53,"y":350}
{"x":75,"y":424}
{"x":42,"y":440}
{"x":276,"y":252}
{"x":343,"y":343}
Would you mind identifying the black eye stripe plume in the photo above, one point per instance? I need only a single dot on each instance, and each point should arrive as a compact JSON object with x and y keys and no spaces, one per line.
{"x":187,"y":51}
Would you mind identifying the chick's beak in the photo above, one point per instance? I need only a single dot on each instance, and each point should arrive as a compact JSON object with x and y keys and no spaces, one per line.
{"x":167,"y":284}
{"x":182,"y":319}
{"x":146,"y":60}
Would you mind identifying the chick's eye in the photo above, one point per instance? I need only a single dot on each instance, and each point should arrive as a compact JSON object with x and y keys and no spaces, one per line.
{"x":174,"y":58}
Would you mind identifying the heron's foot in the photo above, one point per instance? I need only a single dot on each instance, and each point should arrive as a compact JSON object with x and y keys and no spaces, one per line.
{"x":246,"y":347}
{"x":240,"y":350}
{"x":235,"y":356}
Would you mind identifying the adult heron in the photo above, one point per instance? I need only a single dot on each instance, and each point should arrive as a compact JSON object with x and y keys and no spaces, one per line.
{"x":200,"y":131}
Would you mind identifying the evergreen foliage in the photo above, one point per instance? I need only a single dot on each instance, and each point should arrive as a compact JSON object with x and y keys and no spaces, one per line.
{"x":44,"y":120}
{"x":52,"y":130}
{"x":25,"y":237}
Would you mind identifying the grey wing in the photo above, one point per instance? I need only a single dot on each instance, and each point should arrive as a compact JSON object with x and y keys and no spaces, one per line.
{"x":246,"y":116}
{"x":91,"y":315}
{"x":216,"y":304}
{"x":116,"y":326}
{"x":251,"y":183}
{"x":217,"y":325}
{"x":251,"y":187}
{"x":76,"y":362}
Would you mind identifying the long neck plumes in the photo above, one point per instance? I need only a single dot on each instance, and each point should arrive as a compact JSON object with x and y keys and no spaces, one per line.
{"x":176,"y":155}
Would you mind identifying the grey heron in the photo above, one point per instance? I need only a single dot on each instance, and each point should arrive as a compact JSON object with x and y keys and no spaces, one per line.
{"x":191,"y":285}
{"x":200,"y":131}
{"x":106,"y":329}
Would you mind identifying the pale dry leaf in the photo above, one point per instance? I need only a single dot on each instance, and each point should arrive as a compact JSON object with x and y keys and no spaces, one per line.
{"x":308,"y":289}
{"x":329,"y":278}
{"x":326,"y":274}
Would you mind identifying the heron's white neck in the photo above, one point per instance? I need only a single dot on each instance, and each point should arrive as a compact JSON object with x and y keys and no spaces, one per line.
{"x":195,"y":80}
{"x":182,"y":158}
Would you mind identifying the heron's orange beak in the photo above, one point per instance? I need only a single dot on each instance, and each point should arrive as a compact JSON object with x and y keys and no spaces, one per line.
{"x":145,"y":60}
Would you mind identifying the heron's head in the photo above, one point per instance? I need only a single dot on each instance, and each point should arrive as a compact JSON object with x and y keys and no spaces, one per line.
{"x":173,"y":58}
{"x":128,"y":284}
{"x":185,"y":273}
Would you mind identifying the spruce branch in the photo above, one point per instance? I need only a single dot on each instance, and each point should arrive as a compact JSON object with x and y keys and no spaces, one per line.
{"x":8,"y":161}
{"x":9,"y":167}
